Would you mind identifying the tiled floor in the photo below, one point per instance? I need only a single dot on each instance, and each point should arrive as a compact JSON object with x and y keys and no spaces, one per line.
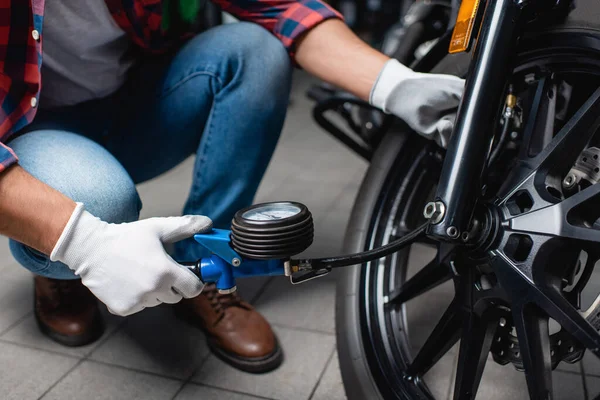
{"x":153,"y":355}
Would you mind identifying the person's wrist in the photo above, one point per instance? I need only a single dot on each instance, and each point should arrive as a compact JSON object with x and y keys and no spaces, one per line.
{"x":60,"y":216}
{"x":75,"y":241}
{"x":392,"y":74}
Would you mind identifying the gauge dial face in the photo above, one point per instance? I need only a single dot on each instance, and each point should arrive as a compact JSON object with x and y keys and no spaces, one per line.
{"x":272,"y":212}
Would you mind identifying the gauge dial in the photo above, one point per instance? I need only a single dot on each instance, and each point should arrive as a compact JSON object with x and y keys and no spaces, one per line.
{"x":272,"y":230}
{"x":272,"y":212}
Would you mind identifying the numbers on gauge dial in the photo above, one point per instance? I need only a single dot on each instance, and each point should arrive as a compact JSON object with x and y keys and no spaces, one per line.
{"x":272,"y":212}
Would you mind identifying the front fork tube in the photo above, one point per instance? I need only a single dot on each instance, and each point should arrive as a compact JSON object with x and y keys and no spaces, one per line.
{"x":461,"y":177}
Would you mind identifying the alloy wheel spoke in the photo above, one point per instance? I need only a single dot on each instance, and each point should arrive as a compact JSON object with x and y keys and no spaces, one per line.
{"x":566,"y":146}
{"x":562,"y":152}
{"x":540,"y":128}
{"x":550,"y":300}
{"x":534,"y":344}
{"x":429,"y":277}
{"x":442,"y":338}
{"x":554,"y":220}
{"x":570,"y":319}
{"x":475,"y":343}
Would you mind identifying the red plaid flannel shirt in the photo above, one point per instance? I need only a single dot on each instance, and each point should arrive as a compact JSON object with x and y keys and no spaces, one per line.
{"x":21,"y":44}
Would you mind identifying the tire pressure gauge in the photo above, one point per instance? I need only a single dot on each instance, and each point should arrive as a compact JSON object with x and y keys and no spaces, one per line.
{"x":272,"y":230}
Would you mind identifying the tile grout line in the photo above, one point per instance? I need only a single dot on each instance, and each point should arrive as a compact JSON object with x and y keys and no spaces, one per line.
{"x":179,"y":390}
{"x":104,"y":340}
{"x":77,"y":364}
{"x":139,"y":371}
{"x":32,"y":347}
{"x":231,"y":391}
{"x":586,"y":394}
{"x":329,"y":361}
{"x":191,"y":376}
{"x":59,"y":353}
{"x":17,"y":322}
{"x":295,"y":328}
{"x":260,"y":291}
{"x":592,"y":374}
{"x":569,"y":372}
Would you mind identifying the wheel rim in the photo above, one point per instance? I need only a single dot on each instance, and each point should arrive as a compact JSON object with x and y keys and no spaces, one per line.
{"x":385,"y":329}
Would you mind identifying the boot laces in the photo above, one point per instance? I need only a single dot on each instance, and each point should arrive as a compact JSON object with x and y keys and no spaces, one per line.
{"x":221,"y":302}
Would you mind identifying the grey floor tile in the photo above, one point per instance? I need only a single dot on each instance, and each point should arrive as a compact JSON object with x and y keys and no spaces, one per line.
{"x":27,"y":373}
{"x":567,"y":386}
{"x":424,"y":312}
{"x":591,"y":364}
{"x":249,"y":288}
{"x":440,"y":379}
{"x":306,"y":354}
{"x":309,"y":190}
{"x":341,"y":164}
{"x":501,"y":382}
{"x":593,"y":387}
{"x":331,"y":386}
{"x":5,"y":256}
{"x":307,"y":143}
{"x":93,"y":381}
{"x":563,"y":366}
{"x":275,"y":178}
{"x":191,"y":391}
{"x":310,"y":181}
{"x":346,"y":199}
{"x":330,"y":230}
{"x":309,"y":305}
{"x":155,"y":341}
{"x":28,"y":333}
{"x":16,"y":295}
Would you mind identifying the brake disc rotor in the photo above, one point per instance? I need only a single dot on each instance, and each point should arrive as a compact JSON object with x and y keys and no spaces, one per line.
{"x":505,"y":348}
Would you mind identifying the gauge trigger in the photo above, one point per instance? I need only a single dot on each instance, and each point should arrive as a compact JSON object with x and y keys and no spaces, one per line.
{"x":301,"y":277}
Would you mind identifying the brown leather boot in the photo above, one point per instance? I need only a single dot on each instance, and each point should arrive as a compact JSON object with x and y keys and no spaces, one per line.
{"x":236,"y":332}
{"x":66,"y":311}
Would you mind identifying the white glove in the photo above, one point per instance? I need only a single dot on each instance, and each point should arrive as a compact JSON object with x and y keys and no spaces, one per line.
{"x":126,"y":265}
{"x":426,"y":102}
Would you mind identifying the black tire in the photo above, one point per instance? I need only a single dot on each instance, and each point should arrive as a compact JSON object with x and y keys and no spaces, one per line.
{"x":356,"y":374}
{"x":580,"y":34}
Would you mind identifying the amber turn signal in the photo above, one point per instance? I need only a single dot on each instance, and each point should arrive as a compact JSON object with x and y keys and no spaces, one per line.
{"x":461,"y":36}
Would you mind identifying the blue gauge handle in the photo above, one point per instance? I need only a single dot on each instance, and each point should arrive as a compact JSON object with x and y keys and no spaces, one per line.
{"x":225,"y":264}
{"x":216,"y":270}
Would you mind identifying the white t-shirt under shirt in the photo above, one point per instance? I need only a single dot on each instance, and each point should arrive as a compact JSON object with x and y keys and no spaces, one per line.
{"x":84,"y":53}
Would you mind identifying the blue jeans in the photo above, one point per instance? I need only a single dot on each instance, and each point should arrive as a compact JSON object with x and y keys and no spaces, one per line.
{"x":223,"y":97}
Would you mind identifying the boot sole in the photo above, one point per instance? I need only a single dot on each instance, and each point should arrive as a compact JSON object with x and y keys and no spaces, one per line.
{"x":96,"y":331}
{"x":253,"y":365}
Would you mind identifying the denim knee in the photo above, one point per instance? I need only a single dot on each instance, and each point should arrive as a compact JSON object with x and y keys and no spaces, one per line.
{"x":82,"y":170}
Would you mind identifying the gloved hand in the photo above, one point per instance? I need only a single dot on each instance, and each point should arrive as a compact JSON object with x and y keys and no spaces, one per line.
{"x":126,"y":265}
{"x":426,"y":102}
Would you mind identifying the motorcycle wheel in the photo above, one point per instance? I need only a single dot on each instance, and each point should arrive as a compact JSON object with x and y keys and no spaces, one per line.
{"x":374,"y":342}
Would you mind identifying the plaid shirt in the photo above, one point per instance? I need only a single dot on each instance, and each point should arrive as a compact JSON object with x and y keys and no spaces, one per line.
{"x":21,"y":44}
